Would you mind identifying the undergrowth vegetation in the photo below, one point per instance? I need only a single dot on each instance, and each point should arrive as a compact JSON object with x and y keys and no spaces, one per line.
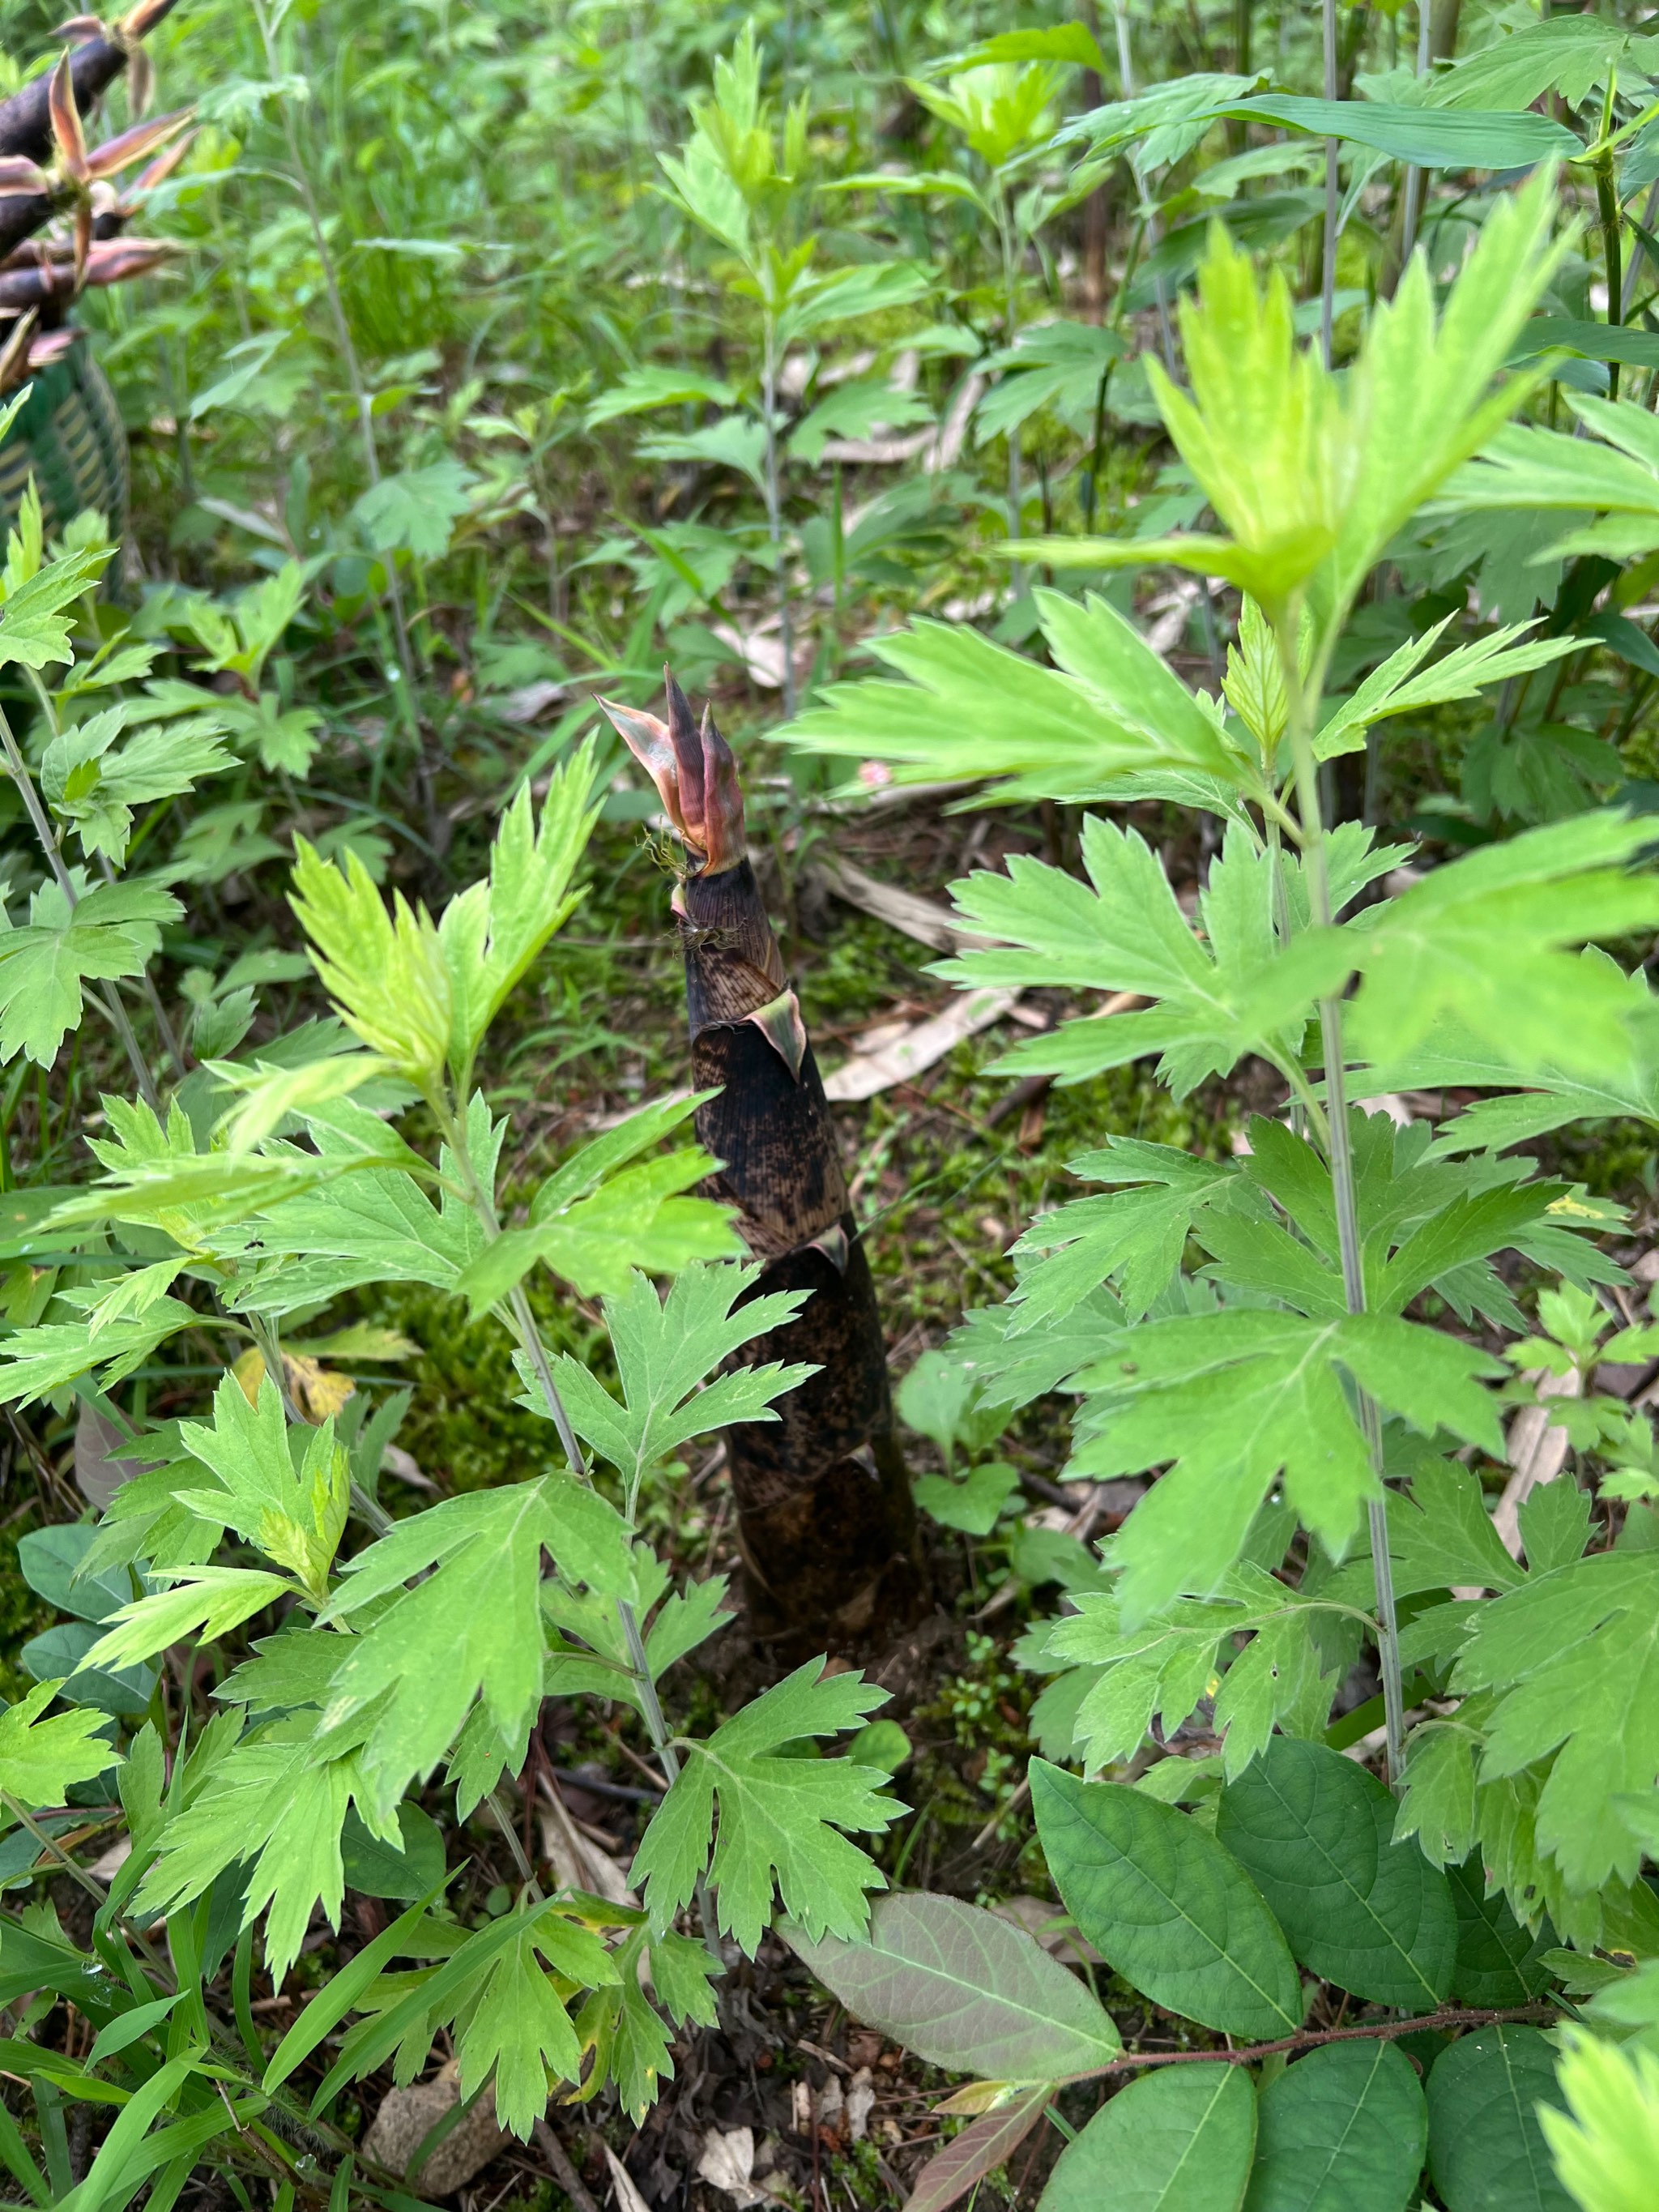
{"x":1181,"y":487}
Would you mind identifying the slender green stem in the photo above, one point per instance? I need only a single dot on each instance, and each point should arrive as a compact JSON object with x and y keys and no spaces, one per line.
{"x":51,"y":1846}
{"x":775,"y":504}
{"x":1606,"y":202}
{"x":360,"y":394}
{"x":46,"y":837}
{"x":1010,"y":333}
{"x":499,"y":1814}
{"x":1328,"y":271}
{"x":529,"y":1338}
{"x":1339,"y":1155}
{"x":1413,"y":175}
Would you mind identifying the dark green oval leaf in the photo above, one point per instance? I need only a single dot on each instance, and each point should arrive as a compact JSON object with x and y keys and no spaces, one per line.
{"x":123,"y":1691}
{"x":1166,"y":1905}
{"x":377,"y":1871}
{"x":1344,"y":2130}
{"x":963,"y":1989}
{"x":1499,"y":1961}
{"x":1179,"y":2141}
{"x":1313,"y":1830}
{"x":1486,"y":2150}
{"x":51,"y":1558}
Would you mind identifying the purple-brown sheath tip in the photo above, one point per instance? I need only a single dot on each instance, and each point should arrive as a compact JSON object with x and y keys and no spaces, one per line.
{"x":695,"y":774}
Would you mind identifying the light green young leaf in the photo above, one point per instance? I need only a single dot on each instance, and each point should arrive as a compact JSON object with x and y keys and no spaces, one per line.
{"x":1572,"y":55}
{"x":1108,"y":708}
{"x":296,"y":1514}
{"x":205,"y":1601}
{"x":489,"y":934}
{"x":845,"y":295}
{"x":385,"y":970}
{"x":664,"y":1348}
{"x":1166,"y":1666}
{"x":1528,"y":467}
{"x":639,"y":390}
{"x":1311,"y":478}
{"x":39,"y":1759}
{"x":1264,"y":430}
{"x":777,"y":1815}
{"x":639,"y":1217}
{"x":363,"y":1223}
{"x":32,"y":629}
{"x":941,"y":1398}
{"x":736,"y":441}
{"x":1401,"y":684}
{"x":855,"y":409}
{"x":1483,"y":943}
{"x":406,"y":2017}
{"x":973,"y":1504}
{"x":1607,"y":2152}
{"x":93,"y":786}
{"x":701,"y":185}
{"x":39,"y":1361}
{"x":1137,"y":1235}
{"x":1060,"y":365}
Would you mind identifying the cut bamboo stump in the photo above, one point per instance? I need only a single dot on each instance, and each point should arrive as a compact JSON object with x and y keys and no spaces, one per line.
{"x":826,"y":1524}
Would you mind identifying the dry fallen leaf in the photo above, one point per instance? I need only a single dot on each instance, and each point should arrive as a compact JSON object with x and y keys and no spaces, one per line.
{"x":923,"y":919}
{"x":728,"y":2163}
{"x":863,"y":1074}
{"x":623,"y":2182}
{"x":1537,"y":1452}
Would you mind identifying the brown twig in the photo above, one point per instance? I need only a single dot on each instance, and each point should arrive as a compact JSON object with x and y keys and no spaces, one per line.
{"x":1380,"y":2031}
{"x":558,"y":2159}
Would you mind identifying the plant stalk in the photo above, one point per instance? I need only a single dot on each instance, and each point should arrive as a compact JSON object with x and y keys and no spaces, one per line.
{"x":1413,"y":175}
{"x":1340,"y":1161}
{"x":360,"y":396}
{"x":530,"y":1336}
{"x":1010,"y":333}
{"x":1607,"y":203}
{"x":774,"y":507}
{"x":1328,"y":271}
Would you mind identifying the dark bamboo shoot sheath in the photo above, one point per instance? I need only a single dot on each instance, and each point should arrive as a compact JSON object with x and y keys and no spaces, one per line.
{"x":22,"y":214}
{"x":50,"y":282}
{"x":825,"y":1521}
{"x":95,"y":64}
